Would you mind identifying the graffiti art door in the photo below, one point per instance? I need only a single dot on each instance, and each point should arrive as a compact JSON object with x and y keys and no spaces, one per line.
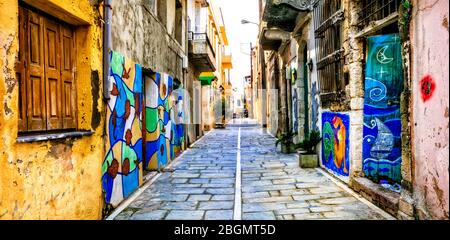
{"x":382,"y":124}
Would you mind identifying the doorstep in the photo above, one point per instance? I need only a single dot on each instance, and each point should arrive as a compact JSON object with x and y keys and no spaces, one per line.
{"x":378,"y":195}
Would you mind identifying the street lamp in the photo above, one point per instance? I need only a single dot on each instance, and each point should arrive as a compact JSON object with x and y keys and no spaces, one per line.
{"x":247,"y":22}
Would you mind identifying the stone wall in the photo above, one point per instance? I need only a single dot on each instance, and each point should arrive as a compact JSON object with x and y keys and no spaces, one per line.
{"x":145,"y":39}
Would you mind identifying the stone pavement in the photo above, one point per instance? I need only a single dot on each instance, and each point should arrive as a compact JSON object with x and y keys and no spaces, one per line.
{"x":272,"y":185}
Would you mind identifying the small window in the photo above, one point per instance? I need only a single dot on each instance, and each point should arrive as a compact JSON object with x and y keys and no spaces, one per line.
{"x":179,"y":22}
{"x":374,"y":10}
{"x":161,"y":6}
{"x":45,"y":71}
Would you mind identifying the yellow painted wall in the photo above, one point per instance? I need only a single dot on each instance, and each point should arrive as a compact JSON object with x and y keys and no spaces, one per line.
{"x":57,"y":179}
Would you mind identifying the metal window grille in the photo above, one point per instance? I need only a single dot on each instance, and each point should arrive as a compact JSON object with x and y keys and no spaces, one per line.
{"x":328,"y":16}
{"x":374,"y":10}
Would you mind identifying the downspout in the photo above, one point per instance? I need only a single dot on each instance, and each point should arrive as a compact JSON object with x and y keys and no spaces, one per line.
{"x":107,"y":13}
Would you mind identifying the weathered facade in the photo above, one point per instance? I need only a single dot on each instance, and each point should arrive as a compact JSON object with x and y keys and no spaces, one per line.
{"x":52,"y":116}
{"x":146,"y":125}
{"x":357,"y":71}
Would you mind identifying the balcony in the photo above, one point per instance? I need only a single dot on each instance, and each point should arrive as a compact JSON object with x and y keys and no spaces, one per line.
{"x":283,"y":13}
{"x":201,"y":52}
{"x":227,"y":62}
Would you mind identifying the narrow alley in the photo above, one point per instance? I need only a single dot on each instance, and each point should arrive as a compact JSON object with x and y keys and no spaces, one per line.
{"x":273,"y":186}
{"x":224,"y":110}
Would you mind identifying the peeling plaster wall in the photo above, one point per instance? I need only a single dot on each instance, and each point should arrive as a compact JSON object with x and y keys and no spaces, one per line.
{"x":139,"y":35}
{"x":430,"y":49}
{"x":57,"y":179}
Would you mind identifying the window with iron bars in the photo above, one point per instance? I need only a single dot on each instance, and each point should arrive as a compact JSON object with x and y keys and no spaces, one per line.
{"x":328,"y":16}
{"x":374,"y":10}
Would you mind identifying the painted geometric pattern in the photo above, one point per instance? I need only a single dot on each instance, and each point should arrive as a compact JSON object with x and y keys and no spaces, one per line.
{"x":335,"y":142}
{"x":121,"y":168}
{"x":164,"y":121}
{"x":382,"y":123}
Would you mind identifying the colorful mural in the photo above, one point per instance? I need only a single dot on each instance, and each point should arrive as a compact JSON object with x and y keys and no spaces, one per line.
{"x":163,"y":120}
{"x":382,"y":124}
{"x":335,"y":142}
{"x":121,"y":173}
{"x":159,"y":110}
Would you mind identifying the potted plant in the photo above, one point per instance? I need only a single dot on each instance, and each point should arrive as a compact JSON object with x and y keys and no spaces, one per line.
{"x":287,"y":143}
{"x":308,"y":157}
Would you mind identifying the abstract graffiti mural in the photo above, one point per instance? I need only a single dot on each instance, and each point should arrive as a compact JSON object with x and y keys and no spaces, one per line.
{"x":335,"y":142}
{"x":121,"y":173}
{"x":382,"y":124}
{"x":158,"y":109}
{"x":164,"y":121}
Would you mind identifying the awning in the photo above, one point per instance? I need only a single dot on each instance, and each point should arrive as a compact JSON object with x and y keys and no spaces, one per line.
{"x":206,"y":78}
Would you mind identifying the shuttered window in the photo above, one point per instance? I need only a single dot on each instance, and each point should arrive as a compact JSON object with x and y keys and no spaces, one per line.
{"x":45,"y":71}
{"x":328,"y":16}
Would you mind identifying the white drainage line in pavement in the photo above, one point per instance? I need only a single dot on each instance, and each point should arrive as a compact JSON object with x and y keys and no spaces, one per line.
{"x":140,"y":190}
{"x":237,"y":186}
{"x":357,"y":196}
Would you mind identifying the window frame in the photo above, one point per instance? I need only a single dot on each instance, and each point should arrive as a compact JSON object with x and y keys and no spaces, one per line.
{"x":328,"y":28}
{"x":51,"y":122}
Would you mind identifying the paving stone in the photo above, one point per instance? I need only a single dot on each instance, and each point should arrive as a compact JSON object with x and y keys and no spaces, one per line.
{"x":228,"y":197}
{"x":219,"y":215}
{"x":201,"y":197}
{"x":292,"y":211}
{"x":216,"y":205}
{"x":261,"y":207}
{"x":308,"y":216}
{"x":321,"y":209}
{"x":220,"y":191}
{"x":170,"y":198}
{"x":185,"y":215}
{"x":258,"y":216}
{"x":268,"y":200}
{"x":189,"y":191}
{"x":199,"y":180}
{"x":180,"y":206}
{"x":255,"y":194}
{"x":180,"y":180}
{"x":344,"y":200}
{"x":149,"y":215}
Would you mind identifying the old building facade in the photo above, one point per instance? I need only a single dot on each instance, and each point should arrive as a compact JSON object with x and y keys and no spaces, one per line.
{"x":349,"y":69}
{"x":52,"y":113}
{"x":96,"y":94}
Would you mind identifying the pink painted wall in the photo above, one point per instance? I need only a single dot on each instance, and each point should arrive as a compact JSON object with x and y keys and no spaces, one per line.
{"x":430,"y":57}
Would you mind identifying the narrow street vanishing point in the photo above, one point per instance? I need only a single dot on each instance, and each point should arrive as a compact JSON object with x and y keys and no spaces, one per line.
{"x":205,"y":185}
{"x":224,"y":110}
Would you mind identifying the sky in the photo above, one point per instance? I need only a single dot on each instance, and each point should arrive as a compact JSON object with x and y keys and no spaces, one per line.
{"x":239,"y":35}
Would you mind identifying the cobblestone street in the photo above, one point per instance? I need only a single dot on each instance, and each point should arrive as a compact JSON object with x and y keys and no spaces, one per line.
{"x":203,"y":185}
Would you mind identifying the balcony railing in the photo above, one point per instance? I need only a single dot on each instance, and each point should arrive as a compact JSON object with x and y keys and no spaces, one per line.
{"x":201,"y":51}
{"x":201,"y":37}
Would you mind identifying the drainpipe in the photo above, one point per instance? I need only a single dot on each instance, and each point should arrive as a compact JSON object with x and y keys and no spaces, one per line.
{"x":107,"y":13}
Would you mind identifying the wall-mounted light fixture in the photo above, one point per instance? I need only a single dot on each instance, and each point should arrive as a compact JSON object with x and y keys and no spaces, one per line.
{"x":310,"y":65}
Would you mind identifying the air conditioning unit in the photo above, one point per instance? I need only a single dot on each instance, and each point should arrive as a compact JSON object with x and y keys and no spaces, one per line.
{"x":185,"y":62}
